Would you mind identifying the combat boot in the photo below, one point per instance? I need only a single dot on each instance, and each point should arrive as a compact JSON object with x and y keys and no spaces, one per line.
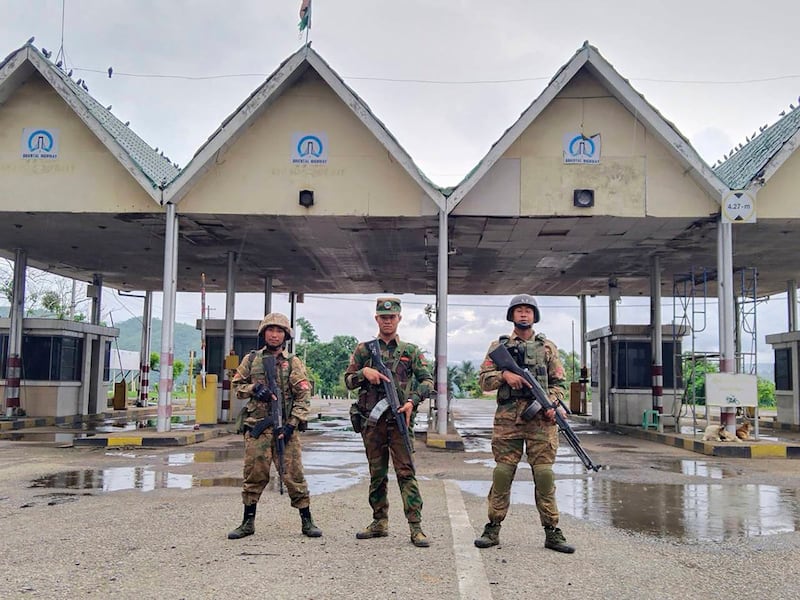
{"x":248,"y":526}
{"x":490,"y":536}
{"x":555,"y":540}
{"x":418,"y":538}
{"x":309,"y":528}
{"x":378,"y":528}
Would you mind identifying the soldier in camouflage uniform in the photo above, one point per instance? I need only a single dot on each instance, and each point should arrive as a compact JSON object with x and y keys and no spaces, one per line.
{"x":250,"y":382}
{"x":538,"y":437}
{"x":414,"y":383}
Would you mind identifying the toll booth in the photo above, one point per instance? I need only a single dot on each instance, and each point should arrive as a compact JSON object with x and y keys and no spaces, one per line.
{"x":621,"y":371}
{"x":66,"y":366}
{"x":787,"y":371}
{"x":244,"y":340}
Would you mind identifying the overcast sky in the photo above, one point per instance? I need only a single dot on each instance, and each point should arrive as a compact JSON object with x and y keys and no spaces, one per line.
{"x":446,"y":77}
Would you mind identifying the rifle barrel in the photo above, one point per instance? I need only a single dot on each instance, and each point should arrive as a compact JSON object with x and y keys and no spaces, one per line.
{"x":503,"y":359}
{"x":391,"y":395}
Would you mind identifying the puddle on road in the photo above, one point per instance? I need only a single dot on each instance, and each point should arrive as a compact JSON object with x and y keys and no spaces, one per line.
{"x":328,"y":466}
{"x":696,"y":511}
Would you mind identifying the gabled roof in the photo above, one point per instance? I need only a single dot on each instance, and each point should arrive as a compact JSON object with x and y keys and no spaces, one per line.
{"x":279,"y":81}
{"x":148,"y":167}
{"x":759,"y":158}
{"x":589,"y":58}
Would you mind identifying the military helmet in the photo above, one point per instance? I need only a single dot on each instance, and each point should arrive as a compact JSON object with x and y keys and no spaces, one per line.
{"x":523,"y":300}
{"x":278,"y":319}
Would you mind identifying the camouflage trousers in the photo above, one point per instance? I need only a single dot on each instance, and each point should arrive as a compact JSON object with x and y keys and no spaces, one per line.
{"x":541,"y":454}
{"x":380,"y":440}
{"x":259,"y":454}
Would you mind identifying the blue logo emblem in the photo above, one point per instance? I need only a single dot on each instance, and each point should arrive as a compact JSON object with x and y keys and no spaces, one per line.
{"x":309,"y":148}
{"x":581,"y":146}
{"x":39,"y":143}
{"x":581,"y":149}
{"x":310,"y":144}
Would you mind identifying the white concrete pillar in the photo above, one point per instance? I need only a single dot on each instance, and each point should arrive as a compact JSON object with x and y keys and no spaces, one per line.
{"x":97,"y":298}
{"x":144,"y":349}
{"x":727,"y":360}
{"x":442,"y":399}
{"x":227,"y":342}
{"x":168,"y":320}
{"x":657,"y":365}
{"x":267,"y":295}
{"x":16,"y":316}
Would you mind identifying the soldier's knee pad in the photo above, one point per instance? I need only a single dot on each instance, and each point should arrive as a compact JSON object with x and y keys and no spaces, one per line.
{"x":503,"y":476}
{"x":543,"y":478}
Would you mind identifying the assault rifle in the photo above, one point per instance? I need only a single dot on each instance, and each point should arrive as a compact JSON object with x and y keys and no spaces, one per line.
{"x":275,"y":418}
{"x":502,"y":358}
{"x":391,"y":400}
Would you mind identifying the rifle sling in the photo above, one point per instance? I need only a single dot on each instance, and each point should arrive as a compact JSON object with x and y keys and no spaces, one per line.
{"x":378,"y":410}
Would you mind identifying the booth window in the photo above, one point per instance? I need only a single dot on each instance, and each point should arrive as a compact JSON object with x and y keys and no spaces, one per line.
{"x":595,"y":366}
{"x":47,"y":358}
{"x":632,"y":365}
{"x":3,"y":354}
{"x":783,"y":368}
{"x":107,"y":362}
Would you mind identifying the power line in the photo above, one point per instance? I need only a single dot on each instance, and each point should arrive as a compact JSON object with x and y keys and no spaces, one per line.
{"x":442,"y":81}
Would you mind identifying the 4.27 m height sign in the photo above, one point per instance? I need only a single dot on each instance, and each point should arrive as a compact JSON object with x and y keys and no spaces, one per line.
{"x":739,"y":206}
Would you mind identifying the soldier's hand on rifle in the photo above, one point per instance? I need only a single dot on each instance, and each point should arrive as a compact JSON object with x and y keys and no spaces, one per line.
{"x":407,"y":409}
{"x":550,"y":414}
{"x":260,"y":392}
{"x":373,"y":375}
{"x":288,"y":430}
{"x":516,"y":382}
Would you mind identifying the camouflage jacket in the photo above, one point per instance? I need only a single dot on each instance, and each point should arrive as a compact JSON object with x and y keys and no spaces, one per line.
{"x":292,"y":381}
{"x":410,"y":371}
{"x":541,"y":358}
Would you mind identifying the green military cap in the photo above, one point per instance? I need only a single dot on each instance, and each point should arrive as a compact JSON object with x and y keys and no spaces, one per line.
{"x":388,"y":306}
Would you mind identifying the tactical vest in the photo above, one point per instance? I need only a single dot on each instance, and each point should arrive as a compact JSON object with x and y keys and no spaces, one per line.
{"x":283,"y":372}
{"x":529,"y":354}
{"x":400,"y":364}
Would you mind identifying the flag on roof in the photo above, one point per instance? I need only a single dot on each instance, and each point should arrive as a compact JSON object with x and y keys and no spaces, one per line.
{"x":305,"y":15}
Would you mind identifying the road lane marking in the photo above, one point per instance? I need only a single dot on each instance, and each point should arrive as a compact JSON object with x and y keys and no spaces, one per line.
{"x":472,"y":581}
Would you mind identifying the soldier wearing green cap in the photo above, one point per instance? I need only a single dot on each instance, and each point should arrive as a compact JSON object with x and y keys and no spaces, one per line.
{"x":413,"y":380}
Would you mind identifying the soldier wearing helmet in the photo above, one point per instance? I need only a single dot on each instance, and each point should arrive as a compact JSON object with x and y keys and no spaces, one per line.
{"x":512,"y":434}
{"x":250,"y":382}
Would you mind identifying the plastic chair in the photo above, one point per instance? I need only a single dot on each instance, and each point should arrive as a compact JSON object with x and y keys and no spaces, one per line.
{"x":650,"y":419}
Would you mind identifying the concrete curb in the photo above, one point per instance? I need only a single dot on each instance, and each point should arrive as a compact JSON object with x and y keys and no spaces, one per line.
{"x":128,"y":414}
{"x":721,"y":449}
{"x":444,"y":442}
{"x":171,"y":438}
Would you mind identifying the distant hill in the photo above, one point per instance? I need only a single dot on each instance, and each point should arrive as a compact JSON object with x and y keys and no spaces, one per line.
{"x":186,"y":338}
{"x":130,"y":336}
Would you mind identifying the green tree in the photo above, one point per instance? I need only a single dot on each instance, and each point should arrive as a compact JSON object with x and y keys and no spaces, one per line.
{"x":326,"y":361}
{"x":766,"y":392}
{"x":467,"y":376}
{"x":694,"y":373}
{"x":44,"y":292}
{"x":307,"y":333}
{"x":454,"y":382}
{"x":178,"y":367}
{"x":572,"y":364}
{"x":155,"y":361}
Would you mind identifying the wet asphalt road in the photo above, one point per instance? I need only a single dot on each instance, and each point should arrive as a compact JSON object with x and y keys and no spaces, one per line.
{"x":656,"y":522}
